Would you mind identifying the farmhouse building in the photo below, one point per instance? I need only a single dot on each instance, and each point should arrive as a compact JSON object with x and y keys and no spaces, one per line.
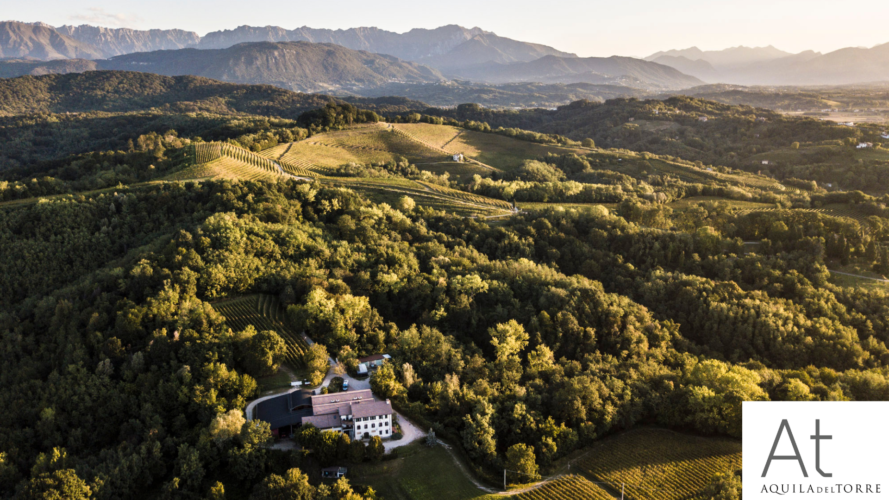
{"x":885,"y":135}
{"x":354,"y":413}
{"x":765,"y":162}
{"x":865,"y":145}
{"x":458,"y":157}
{"x":333,"y":472}
{"x":370,"y":362}
{"x":703,"y":119}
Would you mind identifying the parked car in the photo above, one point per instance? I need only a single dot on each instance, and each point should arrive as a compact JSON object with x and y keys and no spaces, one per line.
{"x":345,"y":385}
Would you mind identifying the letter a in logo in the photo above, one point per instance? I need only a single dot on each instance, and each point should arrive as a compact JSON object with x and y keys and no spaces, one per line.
{"x":796,"y":455}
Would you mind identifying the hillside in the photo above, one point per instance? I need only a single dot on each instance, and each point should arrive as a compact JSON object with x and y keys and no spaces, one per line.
{"x":125,"y":91}
{"x":114,"y":42}
{"x":302,"y":66}
{"x":506,"y":95}
{"x":11,"y":68}
{"x":726,"y":58}
{"x":699,"y":68}
{"x":553,"y":69}
{"x":37,"y":41}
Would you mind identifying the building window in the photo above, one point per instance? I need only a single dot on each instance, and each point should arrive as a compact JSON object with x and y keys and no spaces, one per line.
{"x":373,"y":425}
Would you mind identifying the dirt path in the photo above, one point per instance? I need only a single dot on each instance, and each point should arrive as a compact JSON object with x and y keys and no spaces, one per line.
{"x":881,"y":280}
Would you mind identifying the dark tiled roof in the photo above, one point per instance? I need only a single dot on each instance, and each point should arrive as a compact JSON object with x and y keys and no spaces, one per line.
{"x":371,"y":409}
{"x":374,"y":357}
{"x":323,"y":421}
{"x":277,"y":412}
{"x":341,"y":397}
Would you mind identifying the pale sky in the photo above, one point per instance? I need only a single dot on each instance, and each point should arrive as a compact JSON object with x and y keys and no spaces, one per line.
{"x":587,"y":28}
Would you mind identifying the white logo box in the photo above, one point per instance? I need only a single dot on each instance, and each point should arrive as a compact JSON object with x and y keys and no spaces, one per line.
{"x":855,"y":458}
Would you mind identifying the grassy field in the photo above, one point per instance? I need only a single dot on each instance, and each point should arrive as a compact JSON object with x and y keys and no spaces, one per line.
{"x":856,"y":282}
{"x":420,"y":473}
{"x":659,"y":464}
{"x":264,"y":312}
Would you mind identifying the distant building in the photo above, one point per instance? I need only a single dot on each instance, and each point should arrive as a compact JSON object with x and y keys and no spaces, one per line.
{"x":703,"y":119}
{"x":458,"y":157}
{"x":632,"y":119}
{"x":848,"y":124}
{"x":373,"y":361}
{"x":357,"y":413}
{"x":765,"y":162}
{"x":333,"y":472}
{"x":865,"y":145}
{"x":760,"y":119}
{"x":884,"y":135}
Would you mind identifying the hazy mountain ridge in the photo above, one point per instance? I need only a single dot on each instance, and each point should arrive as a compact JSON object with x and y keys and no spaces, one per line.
{"x":444,"y":47}
{"x":770,"y":66}
{"x":117,"y":41}
{"x":302,"y":66}
{"x":552,"y":69}
{"x":39,"y":41}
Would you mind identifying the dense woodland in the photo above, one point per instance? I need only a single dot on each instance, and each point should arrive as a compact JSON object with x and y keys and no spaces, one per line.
{"x":517,"y":342}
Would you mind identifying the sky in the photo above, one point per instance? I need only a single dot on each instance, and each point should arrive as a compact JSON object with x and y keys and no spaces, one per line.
{"x":587,"y":28}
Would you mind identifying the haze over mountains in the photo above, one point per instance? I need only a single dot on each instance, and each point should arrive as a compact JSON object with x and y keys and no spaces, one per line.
{"x":771,"y":66}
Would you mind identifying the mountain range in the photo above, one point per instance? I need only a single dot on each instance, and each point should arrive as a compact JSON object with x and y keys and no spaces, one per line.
{"x":771,"y":66}
{"x":370,"y":57}
{"x":336,"y":61}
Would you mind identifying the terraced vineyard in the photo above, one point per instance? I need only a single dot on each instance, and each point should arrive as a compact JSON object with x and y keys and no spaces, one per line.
{"x":468,"y":197}
{"x":660,"y":464}
{"x":264,"y":312}
{"x":450,"y":200}
{"x":570,"y":487}
{"x":497,"y":151}
{"x":223,"y":168}
{"x":837,"y":210}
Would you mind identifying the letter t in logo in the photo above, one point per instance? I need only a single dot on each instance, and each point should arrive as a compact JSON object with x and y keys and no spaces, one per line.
{"x":818,"y":437}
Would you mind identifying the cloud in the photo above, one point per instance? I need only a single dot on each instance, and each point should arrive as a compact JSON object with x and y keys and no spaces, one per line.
{"x":98,"y":15}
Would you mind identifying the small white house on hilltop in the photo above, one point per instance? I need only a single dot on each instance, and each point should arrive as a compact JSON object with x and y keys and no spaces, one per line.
{"x":865,"y":145}
{"x":703,"y":119}
{"x":765,"y":162}
{"x":885,"y":135}
{"x":458,"y":157}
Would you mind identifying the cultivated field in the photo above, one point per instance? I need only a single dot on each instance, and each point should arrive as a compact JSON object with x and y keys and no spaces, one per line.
{"x":264,"y":312}
{"x":501,"y":152}
{"x":659,"y":464}
{"x":570,"y":487}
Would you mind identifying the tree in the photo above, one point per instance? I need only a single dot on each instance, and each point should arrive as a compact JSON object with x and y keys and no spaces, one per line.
{"x":309,"y":437}
{"x":227,"y":425}
{"x":263,"y":352}
{"x":317,"y":362}
{"x":217,"y":492}
{"x":430,"y":438}
{"x":508,"y":339}
{"x":294,"y":485}
{"x":376,"y":449}
{"x":383,"y":382}
{"x":326,"y":450}
{"x":357,"y":451}
{"x":343,"y":446}
{"x":60,"y":484}
{"x":406,"y":204}
{"x":520,"y":458}
{"x":588,"y":143}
